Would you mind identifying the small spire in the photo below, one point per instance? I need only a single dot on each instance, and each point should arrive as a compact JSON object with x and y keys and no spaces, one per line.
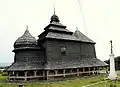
{"x":111,"y":47}
{"x":76,"y":28}
{"x":27,"y":31}
{"x":54,"y":10}
{"x":26,"y":27}
{"x":54,"y":6}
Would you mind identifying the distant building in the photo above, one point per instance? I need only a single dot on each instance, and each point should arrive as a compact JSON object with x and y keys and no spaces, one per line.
{"x":2,"y":70}
{"x":57,"y":54}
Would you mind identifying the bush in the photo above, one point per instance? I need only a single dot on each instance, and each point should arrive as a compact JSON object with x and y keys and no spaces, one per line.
{"x":113,"y":86}
{"x":4,"y":74}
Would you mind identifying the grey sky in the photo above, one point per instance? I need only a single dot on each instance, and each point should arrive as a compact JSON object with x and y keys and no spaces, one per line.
{"x":102,"y":21}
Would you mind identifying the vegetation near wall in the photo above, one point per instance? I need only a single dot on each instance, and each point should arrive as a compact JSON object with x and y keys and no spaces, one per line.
{"x":117,"y":62}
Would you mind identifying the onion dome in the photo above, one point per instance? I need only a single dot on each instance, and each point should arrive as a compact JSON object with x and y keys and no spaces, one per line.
{"x":54,"y":18}
{"x":26,"y":40}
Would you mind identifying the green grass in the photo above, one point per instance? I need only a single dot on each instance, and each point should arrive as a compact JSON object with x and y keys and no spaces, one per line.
{"x":2,"y":78}
{"x":78,"y":82}
{"x":108,"y":84}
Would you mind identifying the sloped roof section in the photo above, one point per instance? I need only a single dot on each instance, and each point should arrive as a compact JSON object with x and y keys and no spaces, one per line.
{"x":82,"y":37}
{"x":63,"y":36}
{"x":82,"y":62}
{"x":58,"y":29}
{"x":20,"y":66}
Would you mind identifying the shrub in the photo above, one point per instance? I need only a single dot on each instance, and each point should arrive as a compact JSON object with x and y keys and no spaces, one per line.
{"x":4,"y":74}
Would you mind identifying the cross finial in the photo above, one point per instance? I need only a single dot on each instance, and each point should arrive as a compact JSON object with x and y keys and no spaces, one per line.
{"x":111,"y":47}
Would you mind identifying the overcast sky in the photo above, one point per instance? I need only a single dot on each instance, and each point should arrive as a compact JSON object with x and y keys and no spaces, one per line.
{"x":102,"y":20}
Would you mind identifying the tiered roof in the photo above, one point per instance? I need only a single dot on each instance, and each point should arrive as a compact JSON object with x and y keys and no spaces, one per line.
{"x":56,"y":30}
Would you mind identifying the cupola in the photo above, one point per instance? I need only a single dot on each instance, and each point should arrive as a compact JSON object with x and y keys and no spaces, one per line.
{"x":26,"y":40}
{"x":54,"y":18}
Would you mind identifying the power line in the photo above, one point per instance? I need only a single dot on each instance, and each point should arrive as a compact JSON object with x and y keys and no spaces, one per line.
{"x":83,"y":17}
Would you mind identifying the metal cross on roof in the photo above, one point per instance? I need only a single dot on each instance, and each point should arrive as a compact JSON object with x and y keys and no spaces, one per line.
{"x":111,"y":47}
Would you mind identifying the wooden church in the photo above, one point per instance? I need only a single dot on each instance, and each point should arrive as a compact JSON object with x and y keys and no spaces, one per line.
{"x":57,"y":54}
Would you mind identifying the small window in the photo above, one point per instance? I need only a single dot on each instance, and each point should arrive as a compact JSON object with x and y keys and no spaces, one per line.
{"x":63,"y":50}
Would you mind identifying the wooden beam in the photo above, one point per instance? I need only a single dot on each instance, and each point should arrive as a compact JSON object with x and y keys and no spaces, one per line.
{"x":43,"y":73}
{"x":89,"y":70}
{"x":71,"y":70}
{"x":25,"y":79}
{"x":47,"y":75}
{"x":17,"y":73}
{"x":83,"y":69}
{"x":56,"y":71}
{"x":35,"y":73}
{"x":64,"y":73}
{"x":77,"y":72}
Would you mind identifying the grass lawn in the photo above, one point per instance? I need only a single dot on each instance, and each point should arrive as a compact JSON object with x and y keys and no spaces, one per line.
{"x":107,"y":84}
{"x":2,"y":78}
{"x":78,"y":82}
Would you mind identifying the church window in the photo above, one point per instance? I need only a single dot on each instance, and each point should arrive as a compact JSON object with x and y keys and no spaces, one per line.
{"x":63,"y":50}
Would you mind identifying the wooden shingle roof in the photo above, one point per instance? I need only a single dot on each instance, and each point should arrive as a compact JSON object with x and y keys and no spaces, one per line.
{"x":82,"y":62}
{"x":26,"y":40}
{"x":56,"y":30}
{"x":21,"y":66}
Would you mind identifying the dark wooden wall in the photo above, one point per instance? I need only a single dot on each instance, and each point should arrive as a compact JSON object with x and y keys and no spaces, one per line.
{"x":31,"y":56}
{"x":74,"y":50}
